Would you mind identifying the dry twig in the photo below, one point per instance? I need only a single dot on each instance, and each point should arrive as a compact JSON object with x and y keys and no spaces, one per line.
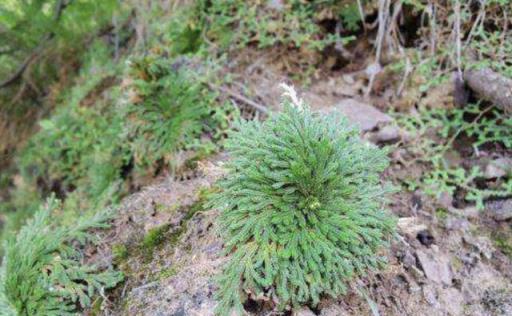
{"x":241,"y":98}
{"x":59,"y":9}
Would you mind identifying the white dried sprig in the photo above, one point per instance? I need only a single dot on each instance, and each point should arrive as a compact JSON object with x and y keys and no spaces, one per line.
{"x":290,"y":93}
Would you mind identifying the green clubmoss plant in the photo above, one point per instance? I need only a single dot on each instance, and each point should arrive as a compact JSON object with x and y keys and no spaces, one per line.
{"x":174,"y":109}
{"x":42,"y":273}
{"x":301,"y":209}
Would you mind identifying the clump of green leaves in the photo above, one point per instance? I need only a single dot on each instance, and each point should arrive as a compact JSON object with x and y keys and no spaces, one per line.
{"x":73,"y":141}
{"x":301,"y":209}
{"x":295,"y":23}
{"x":433,"y":133}
{"x":154,"y":237}
{"x":76,"y":150}
{"x":119,"y":253}
{"x":86,"y":151}
{"x":47,"y":33}
{"x":42,"y":272}
{"x":77,"y":139}
{"x":173,"y":108}
{"x":485,"y":42}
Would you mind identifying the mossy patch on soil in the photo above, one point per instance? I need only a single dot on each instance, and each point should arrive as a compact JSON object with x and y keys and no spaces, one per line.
{"x":441,"y":214}
{"x":154,"y":237}
{"x":119,"y":253}
{"x":168,"y":272}
{"x":173,"y":208}
{"x":503,"y":241}
{"x":146,"y":258}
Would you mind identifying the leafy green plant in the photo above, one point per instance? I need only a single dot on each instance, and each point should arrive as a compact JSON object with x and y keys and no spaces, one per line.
{"x":51,"y":16}
{"x":75,"y":152}
{"x":42,"y":272}
{"x":183,"y":33}
{"x":88,"y":149}
{"x":301,"y":209}
{"x":238,"y":23}
{"x":433,"y":133}
{"x":69,"y":144}
{"x":173,"y":108}
{"x":350,"y":14}
{"x":484,"y":42}
{"x":43,"y":38}
{"x":76,"y":146}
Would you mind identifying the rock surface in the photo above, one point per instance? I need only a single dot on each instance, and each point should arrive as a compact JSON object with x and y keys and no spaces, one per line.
{"x":334,"y":310}
{"x":435,"y":265}
{"x":388,"y":133}
{"x":453,"y":301}
{"x":500,"y":210}
{"x":173,"y":276}
{"x":364,"y":115}
{"x":498,"y":168}
{"x":303,"y":312}
{"x":410,"y":226}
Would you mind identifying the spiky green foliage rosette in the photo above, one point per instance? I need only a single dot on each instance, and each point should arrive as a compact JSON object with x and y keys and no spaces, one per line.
{"x":301,"y":209}
{"x":42,"y":273}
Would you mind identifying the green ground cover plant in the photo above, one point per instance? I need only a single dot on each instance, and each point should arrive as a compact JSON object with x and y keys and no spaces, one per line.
{"x":301,"y":209}
{"x":433,"y":133}
{"x":240,"y":23}
{"x":172,"y":109}
{"x":42,"y":273}
{"x":86,"y":153}
{"x":216,"y":27}
{"x":41,"y":43}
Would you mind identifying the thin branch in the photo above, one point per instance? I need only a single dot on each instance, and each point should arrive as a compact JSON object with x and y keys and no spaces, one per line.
{"x":381,"y":33}
{"x":503,"y":33}
{"x":61,"y":5}
{"x":361,"y":13}
{"x":59,"y":8}
{"x":479,"y":19}
{"x":383,"y":17}
{"x":241,"y":98}
{"x":458,"y":39}
{"x":21,"y":69}
{"x":408,"y":70}
{"x":433,"y":29}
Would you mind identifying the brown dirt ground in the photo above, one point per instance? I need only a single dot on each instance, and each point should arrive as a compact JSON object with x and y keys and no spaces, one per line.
{"x":443,"y":260}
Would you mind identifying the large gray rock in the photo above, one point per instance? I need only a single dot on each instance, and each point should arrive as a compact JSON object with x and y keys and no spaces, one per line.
{"x":388,"y":133}
{"x":364,"y":115}
{"x":436,"y":266}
